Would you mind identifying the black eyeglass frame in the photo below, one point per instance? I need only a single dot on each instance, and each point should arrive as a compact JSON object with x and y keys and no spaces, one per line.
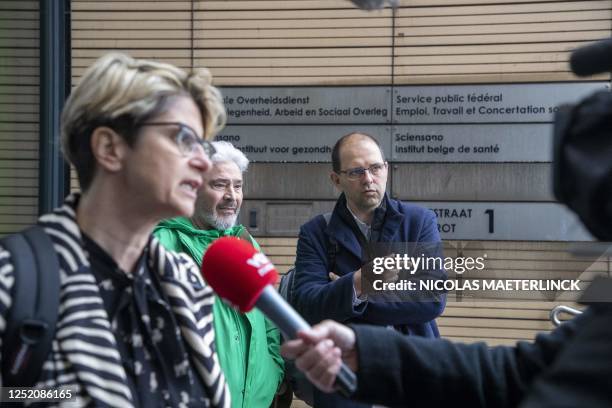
{"x":207,"y":147}
{"x":361,"y":171}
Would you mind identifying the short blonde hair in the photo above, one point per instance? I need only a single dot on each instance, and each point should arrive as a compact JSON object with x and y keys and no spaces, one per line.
{"x":121,"y":92}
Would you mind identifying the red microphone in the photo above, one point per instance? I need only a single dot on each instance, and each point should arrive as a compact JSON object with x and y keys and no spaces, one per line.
{"x":243,"y":276}
{"x":251,"y":270}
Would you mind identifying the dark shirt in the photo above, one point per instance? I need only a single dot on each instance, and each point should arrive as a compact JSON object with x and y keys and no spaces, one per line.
{"x":159,"y":370}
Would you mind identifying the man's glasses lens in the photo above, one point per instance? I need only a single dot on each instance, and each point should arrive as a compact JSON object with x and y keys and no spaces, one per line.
{"x":359,"y":172}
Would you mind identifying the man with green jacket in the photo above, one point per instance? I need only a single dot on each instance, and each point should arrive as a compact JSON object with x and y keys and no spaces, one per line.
{"x":247,"y":344}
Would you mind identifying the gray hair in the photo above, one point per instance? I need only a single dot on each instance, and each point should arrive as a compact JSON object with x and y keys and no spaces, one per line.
{"x":226,"y":152}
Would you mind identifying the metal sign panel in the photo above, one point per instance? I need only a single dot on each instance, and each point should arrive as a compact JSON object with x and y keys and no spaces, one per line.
{"x":295,"y":143}
{"x":511,"y":103}
{"x":472,"y":143}
{"x":507,"y":221}
{"x":304,"y":105}
{"x":450,"y":123}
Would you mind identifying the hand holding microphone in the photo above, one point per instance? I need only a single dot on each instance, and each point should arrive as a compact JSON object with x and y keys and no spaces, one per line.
{"x":314,"y":356}
{"x":244,"y":277}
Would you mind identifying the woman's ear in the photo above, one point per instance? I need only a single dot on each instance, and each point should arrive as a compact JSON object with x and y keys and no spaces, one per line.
{"x":108,"y":148}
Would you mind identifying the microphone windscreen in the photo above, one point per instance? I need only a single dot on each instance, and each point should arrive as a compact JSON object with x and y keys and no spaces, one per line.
{"x":237,"y":272}
{"x":592,"y":59}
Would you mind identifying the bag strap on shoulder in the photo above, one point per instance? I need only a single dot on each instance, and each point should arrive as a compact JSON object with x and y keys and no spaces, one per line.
{"x":287,"y":280}
{"x":246,"y":236}
{"x":33,"y":315}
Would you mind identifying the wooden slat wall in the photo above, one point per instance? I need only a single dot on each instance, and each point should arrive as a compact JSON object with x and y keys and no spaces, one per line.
{"x":494,"y":41}
{"x":496,"y":323}
{"x":505,"y":318}
{"x":19,"y":79}
{"x":303,"y":42}
{"x":243,"y":42}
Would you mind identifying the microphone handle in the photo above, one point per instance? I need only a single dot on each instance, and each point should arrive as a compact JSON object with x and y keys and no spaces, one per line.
{"x":346,"y":381}
{"x":271,"y":304}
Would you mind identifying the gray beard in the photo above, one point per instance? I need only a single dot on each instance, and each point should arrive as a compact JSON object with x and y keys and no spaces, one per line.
{"x":220,"y":223}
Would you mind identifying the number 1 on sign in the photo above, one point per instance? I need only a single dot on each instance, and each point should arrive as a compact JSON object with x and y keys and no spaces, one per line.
{"x":491,"y":215}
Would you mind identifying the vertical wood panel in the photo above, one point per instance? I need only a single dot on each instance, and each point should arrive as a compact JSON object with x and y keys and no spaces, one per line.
{"x":19,"y":98}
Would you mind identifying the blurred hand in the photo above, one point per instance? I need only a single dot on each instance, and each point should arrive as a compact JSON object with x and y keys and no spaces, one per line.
{"x":387,"y":276}
{"x":319,"y":352}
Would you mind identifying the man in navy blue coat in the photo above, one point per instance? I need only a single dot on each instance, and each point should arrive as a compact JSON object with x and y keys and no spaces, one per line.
{"x":330,"y":257}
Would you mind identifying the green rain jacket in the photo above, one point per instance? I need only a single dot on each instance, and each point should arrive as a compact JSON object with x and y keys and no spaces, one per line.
{"x":247,"y":343}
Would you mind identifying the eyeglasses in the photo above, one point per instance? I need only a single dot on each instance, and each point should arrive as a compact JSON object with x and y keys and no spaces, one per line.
{"x":358,"y":172}
{"x":186,"y":139}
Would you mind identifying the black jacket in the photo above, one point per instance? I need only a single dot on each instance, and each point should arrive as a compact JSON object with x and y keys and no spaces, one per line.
{"x":569,"y":367}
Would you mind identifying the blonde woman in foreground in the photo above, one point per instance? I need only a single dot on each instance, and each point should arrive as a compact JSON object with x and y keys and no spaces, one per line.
{"x":135,"y":321}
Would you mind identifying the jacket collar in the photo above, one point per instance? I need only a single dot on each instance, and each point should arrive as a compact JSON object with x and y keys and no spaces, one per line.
{"x":393,"y":219}
{"x":61,"y":224}
{"x":194,"y":241}
{"x":387,"y":219}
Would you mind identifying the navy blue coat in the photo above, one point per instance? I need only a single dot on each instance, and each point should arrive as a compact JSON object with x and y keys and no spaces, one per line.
{"x":317,"y":298}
